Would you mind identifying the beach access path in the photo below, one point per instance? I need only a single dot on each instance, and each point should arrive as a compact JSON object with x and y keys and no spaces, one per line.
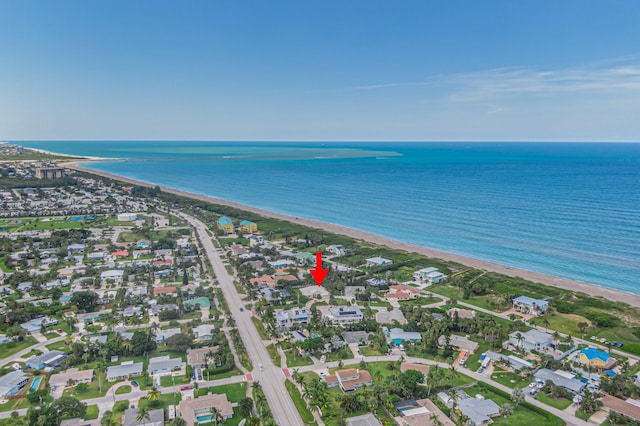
{"x":270,"y":376}
{"x":564,"y":283}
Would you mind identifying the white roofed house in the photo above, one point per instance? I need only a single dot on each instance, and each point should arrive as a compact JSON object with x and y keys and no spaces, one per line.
{"x":72,"y":376}
{"x":163,"y":335}
{"x":198,"y":410}
{"x":124,"y":371}
{"x":12,"y":382}
{"x":532,"y":340}
{"x":529,"y":305}
{"x":342,"y":314}
{"x":163,"y":365}
{"x":286,"y":319}
{"x":429,"y":276}
{"x":114,"y":274}
{"x":378,"y":261}
{"x":204,"y":332}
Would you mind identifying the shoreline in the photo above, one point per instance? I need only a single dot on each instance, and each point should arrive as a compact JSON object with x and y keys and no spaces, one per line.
{"x":536,"y":277}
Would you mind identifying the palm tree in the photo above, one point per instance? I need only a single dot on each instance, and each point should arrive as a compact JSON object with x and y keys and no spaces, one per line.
{"x":216,"y":416}
{"x":143,"y":415}
{"x":506,"y":411}
{"x":257,"y":386}
{"x":153,"y":394}
{"x":435,"y":420}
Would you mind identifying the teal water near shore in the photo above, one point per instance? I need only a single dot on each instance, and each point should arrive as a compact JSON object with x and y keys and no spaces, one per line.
{"x":566,"y":209}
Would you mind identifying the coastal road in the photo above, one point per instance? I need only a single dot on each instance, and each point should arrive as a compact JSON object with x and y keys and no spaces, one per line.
{"x":271,"y":377}
{"x":566,"y":417}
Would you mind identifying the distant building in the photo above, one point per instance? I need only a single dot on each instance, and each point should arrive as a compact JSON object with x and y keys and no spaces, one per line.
{"x":402,"y":292}
{"x":529,"y":305}
{"x":225,"y":224}
{"x":50,"y":173}
{"x":127,"y":217}
{"x":337,"y":249}
{"x":378,"y":261}
{"x":248,"y":227}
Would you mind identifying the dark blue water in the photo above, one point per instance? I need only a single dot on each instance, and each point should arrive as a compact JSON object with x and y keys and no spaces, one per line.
{"x":566,"y":209}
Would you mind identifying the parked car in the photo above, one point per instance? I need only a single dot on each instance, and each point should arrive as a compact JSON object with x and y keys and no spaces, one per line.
{"x":185,"y":388}
{"x":241,"y":309}
{"x":480,"y":370}
{"x":620,"y":344}
{"x":134,"y":384}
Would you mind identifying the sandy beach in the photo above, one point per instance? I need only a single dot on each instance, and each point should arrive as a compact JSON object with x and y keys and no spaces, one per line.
{"x":564,"y":283}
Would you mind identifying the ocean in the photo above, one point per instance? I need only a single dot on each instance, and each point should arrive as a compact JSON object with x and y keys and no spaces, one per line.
{"x":565,"y":209}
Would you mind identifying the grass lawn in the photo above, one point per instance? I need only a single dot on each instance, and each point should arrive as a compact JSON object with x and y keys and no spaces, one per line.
{"x":92,"y":412}
{"x":235,"y":392}
{"x":165,"y":399}
{"x":51,"y":335}
{"x":260,"y":327}
{"x":123,"y":389}
{"x":167,"y":381}
{"x":4,"y":267}
{"x":367,"y":351}
{"x":297,"y":360}
{"x":582,"y":415}
{"x":335,"y":356}
{"x":234,"y":372}
{"x":560,"y":403}
{"x":301,"y":405}
{"x":521,"y":415}
{"x":13,"y":347}
{"x":510,"y":379}
{"x":273,"y":353}
{"x":93,"y":390}
{"x":473,"y":362}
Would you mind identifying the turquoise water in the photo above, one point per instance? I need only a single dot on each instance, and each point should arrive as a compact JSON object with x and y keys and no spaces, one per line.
{"x":204,"y":418}
{"x":566,"y":209}
{"x":36,"y":383}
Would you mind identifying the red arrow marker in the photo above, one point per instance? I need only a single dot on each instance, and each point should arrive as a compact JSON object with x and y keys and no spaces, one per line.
{"x":319,"y":273}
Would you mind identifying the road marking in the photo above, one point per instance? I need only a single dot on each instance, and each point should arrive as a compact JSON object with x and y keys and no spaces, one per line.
{"x":286,"y":372}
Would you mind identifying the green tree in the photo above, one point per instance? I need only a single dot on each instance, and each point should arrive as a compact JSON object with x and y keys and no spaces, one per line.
{"x":143,"y":415}
{"x":245,"y":407}
{"x":506,"y":411}
{"x":67,"y":406}
{"x":179,"y":343}
{"x":85,"y":300}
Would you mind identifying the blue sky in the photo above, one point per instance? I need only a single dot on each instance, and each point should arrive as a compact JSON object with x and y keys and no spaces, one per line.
{"x":329,"y":70}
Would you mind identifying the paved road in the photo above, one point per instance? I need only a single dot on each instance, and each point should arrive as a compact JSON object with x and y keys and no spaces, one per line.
{"x":106,"y":402}
{"x":567,"y":417}
{"x":39,"y":346}
{"x":271,"y":378}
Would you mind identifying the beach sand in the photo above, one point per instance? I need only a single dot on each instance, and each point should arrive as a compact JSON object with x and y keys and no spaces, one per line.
{"x":564,"y":283}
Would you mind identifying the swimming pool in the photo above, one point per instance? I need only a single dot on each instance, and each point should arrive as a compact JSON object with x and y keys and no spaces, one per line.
{"x":204,"y":418}
{"x":36,"y":383}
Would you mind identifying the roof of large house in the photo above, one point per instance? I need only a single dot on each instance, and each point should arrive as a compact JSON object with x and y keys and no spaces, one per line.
{"x":164,"y":290}
{"x":196,"y":356}
{"x":164,"y":362}
{"x":156,"y":418}
{"x":71,"y":374}
{"x":424,"y":369}
{"x":530,"y":301}
{"x":559,"y":380}
{"x":123,"y":370}
{"x":47,"y":358}
{"x":223,"y":220}
{"x":623,"y":407}
{"x":593,"y":353}
{"x":188,"y":407}
{"x":363,"y":420}
{"x":12,"y":378}
{"x":363,"y":377}
{"x":398,"y":333}
{"x":479,"y":411}
{"x":533,"y":336}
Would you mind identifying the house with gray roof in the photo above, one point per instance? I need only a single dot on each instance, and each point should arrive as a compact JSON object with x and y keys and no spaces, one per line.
{"x":163,"y":335}
{"x":479,"y":410}
{"x":571,"y":384}
{"x":355,"y":338}
{"x":124,"y":371}
{"x":164,"y":365}
{"x":529,"y":305}
{"x":156,"y":418}
{"x":12,"y":382}
{"x":532,"y":340}
{"x":398,"y":336}
{"x":50,"y":359}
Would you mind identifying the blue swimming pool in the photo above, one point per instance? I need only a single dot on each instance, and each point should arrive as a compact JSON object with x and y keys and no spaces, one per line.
{"x":205,"y":418}
{"x":36,"y":383}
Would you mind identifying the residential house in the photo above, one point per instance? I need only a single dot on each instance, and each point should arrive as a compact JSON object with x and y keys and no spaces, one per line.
{"x":573,"y":385}
{"x":388,"y":317}
{"x":305,"y":258}
{"x":285,"y":319}
{"x":265,"y":280}
{"x":402,"y":292}
{"x":420,"y":413}
{"x":348,"y":380}
{"x":363,"y":420}
{"x":355,"y":338}
{"x":378,"y":261}
{"x":76,"y":248}
{"x":198,"y":410}
{"x":124,"y":371}
{"x":73,"y":376}
{"x":461,"y":313}
{"x":163,"y":335}
{"x":336,"y":249}
{"x":163,"y":365}
{"x":256,"y":240}
{"x":157,"y":308}
{"x":398,"y":336}
{"x":529,"y":305}
{"x":629,"y":408}
{"x":596,"y":359}
{"x":429,"y":276}
{"x":340,"y":315}
{"x":202,"y":302}
{"x":516,"y":363}
{"x":50,"y":359}
{"x":196,"y":357}
{"x":271,"y":295}
{"x":248,"y":227}
{"x":156,"y":418}
{"x":114,"y":274}
{"x":478,"y":410}
{"x":460,"y":342}
{"x":532,"y":340}
{"x":281,"y":263}
{"x":35,"y":325}
{"x":12,"y":382}
{"x":225,"y":224}
{"x":204,"y":332}
{"x":165,"y":290}
{"x":4,"y":339}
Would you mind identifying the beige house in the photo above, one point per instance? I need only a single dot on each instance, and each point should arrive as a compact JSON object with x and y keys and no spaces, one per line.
{"x":74,"y":375}
{"x":196,"y":411}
